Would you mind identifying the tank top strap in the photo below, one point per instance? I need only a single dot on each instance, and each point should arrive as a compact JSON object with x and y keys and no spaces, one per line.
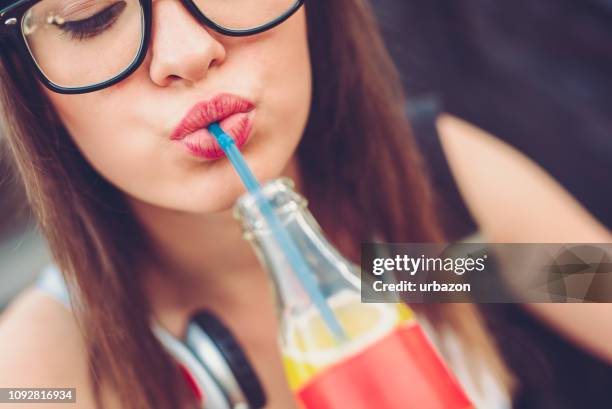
{"x":51,"y":282}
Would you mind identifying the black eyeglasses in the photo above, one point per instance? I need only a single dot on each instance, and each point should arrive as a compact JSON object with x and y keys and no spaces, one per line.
{"x":79,"y":46}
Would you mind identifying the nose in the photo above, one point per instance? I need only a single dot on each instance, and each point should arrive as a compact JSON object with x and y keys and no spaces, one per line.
{"x":182,"y":50}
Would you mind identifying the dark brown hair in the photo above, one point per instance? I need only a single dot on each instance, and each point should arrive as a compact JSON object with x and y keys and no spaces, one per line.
{"x":361,"y":172}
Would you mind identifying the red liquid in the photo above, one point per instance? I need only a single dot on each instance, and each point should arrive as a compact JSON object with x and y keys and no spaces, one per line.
{"x":400,"y":371}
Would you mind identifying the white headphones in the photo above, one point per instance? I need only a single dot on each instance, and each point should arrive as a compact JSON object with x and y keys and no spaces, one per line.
{"x":214,"y":364}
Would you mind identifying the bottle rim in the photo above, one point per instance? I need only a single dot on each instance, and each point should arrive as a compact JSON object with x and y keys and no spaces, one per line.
{"x":280,"y":194}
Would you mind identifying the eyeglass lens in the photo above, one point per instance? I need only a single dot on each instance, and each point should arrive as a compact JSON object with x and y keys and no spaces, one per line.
{"x":78,"y":43}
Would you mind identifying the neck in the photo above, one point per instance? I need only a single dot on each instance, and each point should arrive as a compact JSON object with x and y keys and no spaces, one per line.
{"x":202,"y":262}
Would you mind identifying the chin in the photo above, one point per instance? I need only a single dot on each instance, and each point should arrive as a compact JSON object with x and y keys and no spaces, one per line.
{"x":215,"y":200}
{"x":219,"y":190}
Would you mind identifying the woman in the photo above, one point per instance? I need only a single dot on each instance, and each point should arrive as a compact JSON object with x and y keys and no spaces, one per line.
{"x":134,"y":200}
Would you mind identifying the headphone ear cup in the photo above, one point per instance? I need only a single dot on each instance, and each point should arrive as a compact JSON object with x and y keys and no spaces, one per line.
{"x":219,"y":350}
{"x":209,"y":392}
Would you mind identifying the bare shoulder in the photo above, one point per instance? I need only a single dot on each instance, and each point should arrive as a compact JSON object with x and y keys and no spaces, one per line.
{"x":514,"y":200}
{"x":41,"y":346}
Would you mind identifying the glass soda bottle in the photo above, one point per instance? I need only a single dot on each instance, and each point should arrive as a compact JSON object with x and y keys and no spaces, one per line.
{"x":384,"y":361}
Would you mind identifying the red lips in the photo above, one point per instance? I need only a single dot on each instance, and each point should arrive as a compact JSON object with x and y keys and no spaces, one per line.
{"x":233,"y":113}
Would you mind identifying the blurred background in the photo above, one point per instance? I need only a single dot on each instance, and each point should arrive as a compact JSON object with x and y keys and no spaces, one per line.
{"x":23,"y":253}
{"x":534,"y":73}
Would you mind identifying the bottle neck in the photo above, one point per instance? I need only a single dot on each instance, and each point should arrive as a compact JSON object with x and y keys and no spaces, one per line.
{"x":332,"y":271}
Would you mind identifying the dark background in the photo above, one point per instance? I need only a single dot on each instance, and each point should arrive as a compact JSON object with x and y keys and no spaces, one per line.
{"x":536,"y":74}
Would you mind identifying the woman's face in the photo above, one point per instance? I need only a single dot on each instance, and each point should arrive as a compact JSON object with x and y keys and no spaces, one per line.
{"x":135,"y":133}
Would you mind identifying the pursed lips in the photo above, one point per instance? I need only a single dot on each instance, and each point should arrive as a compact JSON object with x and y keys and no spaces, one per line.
{"x":205,"y":113}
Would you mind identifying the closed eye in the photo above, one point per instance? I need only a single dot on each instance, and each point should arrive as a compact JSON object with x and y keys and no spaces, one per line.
{"x":94,"y":25}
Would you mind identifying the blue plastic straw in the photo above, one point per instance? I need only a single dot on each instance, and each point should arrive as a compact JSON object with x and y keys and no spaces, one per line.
{"x":289,"y":248}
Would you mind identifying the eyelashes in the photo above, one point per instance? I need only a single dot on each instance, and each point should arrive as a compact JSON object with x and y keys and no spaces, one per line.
{"x":94,"y":25}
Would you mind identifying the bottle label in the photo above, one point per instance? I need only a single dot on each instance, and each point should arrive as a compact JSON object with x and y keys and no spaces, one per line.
{"x":397,"y":372}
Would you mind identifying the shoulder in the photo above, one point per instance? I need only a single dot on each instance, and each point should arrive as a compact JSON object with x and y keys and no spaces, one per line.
{"x":496,"y":179}
{"x":41,"y":346}
{"x":513,"y":199}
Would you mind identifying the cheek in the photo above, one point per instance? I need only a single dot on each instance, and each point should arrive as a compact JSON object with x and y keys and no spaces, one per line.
{"x":295,"y":68}
{"x":97,"y":123}
{"x":283,"y":60}
{"x":291,"y":67}
{"x":81,"y":116}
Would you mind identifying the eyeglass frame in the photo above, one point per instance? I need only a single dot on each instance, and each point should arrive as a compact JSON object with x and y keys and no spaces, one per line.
{"x":11,"y":19}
